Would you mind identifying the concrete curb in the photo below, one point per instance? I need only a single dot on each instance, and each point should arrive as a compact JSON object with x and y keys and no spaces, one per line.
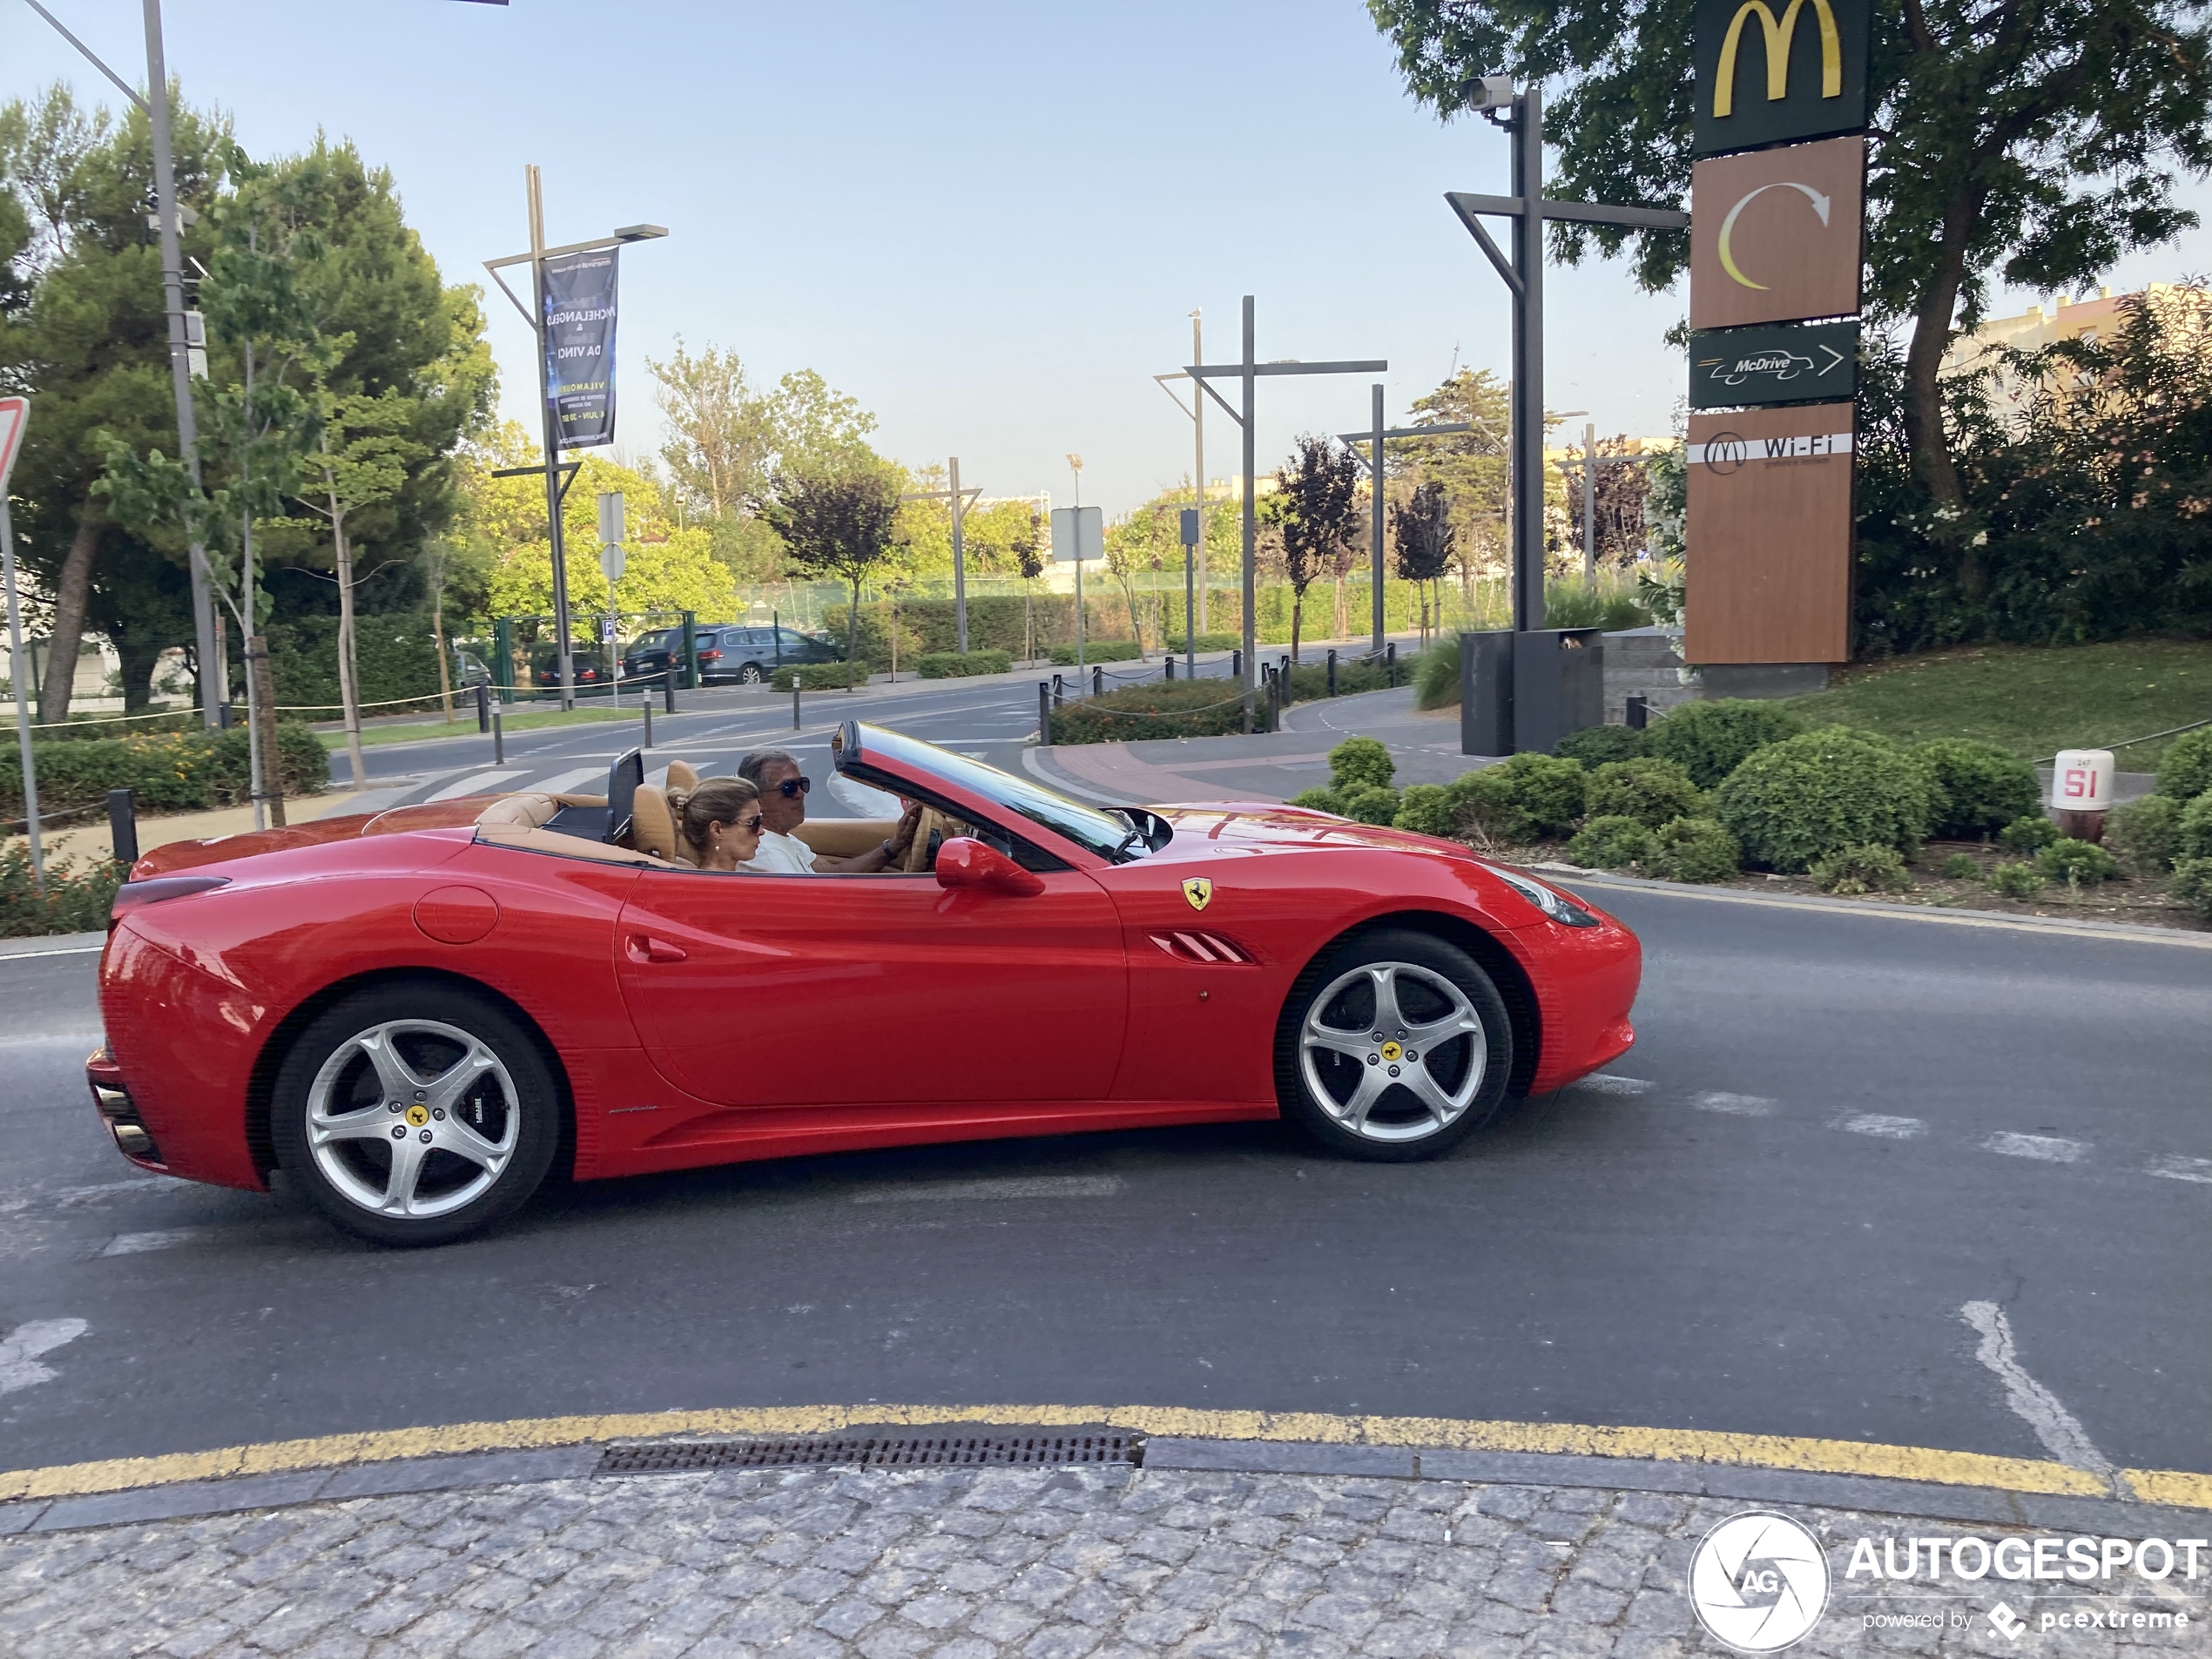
{"x":51,"y":945}
{"x":1974,"y":1505}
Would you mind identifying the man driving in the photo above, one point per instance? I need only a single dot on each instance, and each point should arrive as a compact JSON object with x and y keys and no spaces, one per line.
{"x":783,"y":789}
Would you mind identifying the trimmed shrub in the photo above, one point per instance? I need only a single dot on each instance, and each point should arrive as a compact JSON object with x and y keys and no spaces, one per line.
{"x":1208,"y":642}
{"x":1595,"y":746}
{"x":1526,"y":798}
{"x":1320,"y":800}
{"x":1096,"y":651}
{"x":1710,"y":740}
{"x":1354,"y":674}
{"x":2193,"y":829}
{"x":1985,"y":788}
{"x":2082,"y":864}
{"x":1612,"y":841}
{"x":2185,"y":770}
{"x":1157,"y":709}
{"x":2146,"y":834}
{"x":74,"y":901}
{"x":1800,"y":800}
{"x":1694,"y":849}
{"x":1649,"y":790}
{"x":1360,"y":760}
{"x":2015,"y":879}
{"x":1369,"y":803}
{"x":172,"y":772}
{"x":1428,"y":809}
{"x":1962,"y":867}
{"x":1862,"y":869}
{"x":2193,"y":884}
{"x":951,"y":665}
{"x":819,"y":677}
{"x":2027,"y":833}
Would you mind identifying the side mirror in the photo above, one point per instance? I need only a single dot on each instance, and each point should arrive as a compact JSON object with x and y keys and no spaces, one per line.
{"x":964,"y":862}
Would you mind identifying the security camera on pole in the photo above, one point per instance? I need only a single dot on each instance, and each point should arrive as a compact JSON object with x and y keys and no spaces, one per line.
{"x":612,"y":561}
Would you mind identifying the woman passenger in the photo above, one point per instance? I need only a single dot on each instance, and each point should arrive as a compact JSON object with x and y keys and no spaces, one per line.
{"x":719,"y":820}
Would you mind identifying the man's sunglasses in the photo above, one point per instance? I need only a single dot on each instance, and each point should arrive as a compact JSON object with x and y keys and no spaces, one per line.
{"x":792,"y":788}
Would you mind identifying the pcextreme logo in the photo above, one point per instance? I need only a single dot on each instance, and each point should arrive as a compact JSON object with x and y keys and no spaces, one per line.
{"x":1779,"y":36}
{"x":1759,"y":1582}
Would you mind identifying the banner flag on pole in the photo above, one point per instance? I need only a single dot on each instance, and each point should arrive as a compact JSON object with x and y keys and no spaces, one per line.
{"x":580,"y":346}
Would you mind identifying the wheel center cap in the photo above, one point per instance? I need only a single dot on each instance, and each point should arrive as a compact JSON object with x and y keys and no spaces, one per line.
{"x":1391,"y":1051}
{"x":418,"y":1114}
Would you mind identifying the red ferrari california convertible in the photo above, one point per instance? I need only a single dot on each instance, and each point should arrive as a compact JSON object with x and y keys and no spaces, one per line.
{"x":418,"y":1015}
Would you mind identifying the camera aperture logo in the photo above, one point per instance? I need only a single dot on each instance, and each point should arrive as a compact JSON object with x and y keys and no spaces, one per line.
{"x":1759,"y":1582}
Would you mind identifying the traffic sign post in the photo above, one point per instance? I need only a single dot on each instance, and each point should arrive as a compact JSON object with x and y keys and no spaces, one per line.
{"x":612,"y":561}
{"x":1078,"y":533}
{"x":15,"y":415}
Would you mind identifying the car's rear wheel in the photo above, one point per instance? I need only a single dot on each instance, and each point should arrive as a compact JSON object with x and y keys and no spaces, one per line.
{"x":416,"y":1113}
{"x":750,"y":674}
{"x":1395,"y":1046}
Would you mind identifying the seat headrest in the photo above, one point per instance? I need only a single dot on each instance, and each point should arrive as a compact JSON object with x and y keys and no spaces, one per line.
{"x":652,"y":827}
{"x":682,"y":775}
{"x":520,"y":812}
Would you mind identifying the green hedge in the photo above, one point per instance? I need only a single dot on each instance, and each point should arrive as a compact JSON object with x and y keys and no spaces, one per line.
{"x":1709,"y":739}
{"x":1095,"y":650}
{"x":74,"y":901}
{"x":819,"y":677}
{"x":1207,"y":641}
{"x":1647,"y":789}
{"x":396,"y":654}
{"x":1157,"y":709}
{"x":952,"y":664}
{"x":1794,"y":803}
{"x":2185,"y":770}
{"x":172,"y":772}
{"x":1985,"y":788}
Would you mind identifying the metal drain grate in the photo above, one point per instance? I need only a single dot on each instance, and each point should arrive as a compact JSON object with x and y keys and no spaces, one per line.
{"x":875,"y":1452}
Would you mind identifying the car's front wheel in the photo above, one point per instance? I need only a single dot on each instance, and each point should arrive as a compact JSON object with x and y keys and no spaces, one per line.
{"x":416,"y":1113}
{"x":1395,"y":1046}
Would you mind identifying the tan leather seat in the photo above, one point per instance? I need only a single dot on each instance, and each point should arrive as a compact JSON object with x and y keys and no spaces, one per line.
{"x":652,"y":827}
{"x":682,"y":775}
{"x":520,"y":812}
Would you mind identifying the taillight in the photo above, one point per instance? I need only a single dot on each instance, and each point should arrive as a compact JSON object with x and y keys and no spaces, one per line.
{"x":133,"y":895}
{"x":710,"y":656}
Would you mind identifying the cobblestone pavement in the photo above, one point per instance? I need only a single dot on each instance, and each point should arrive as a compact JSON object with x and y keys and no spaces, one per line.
{"x":971,"y":1564}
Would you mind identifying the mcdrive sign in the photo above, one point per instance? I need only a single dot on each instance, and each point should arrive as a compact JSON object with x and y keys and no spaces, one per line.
{"x":579,"y":290}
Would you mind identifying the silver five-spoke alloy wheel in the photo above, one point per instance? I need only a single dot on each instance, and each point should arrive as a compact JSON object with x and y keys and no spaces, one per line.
{"x":1392,"y":1051}
{"x":413,"y":1119}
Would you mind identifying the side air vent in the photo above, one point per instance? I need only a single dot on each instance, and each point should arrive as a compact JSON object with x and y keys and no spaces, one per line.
{"x":1202,"y":948}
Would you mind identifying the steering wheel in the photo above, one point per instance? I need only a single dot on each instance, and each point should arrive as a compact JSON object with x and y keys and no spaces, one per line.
{"x":929,"y":828}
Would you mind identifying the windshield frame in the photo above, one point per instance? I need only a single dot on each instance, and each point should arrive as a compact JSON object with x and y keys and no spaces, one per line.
{"x":1114,"y":835}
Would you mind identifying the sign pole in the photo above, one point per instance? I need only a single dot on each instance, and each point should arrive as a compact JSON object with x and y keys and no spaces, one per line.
{"x":15,"y":415}
{"x":563,"y":663}
{"x":960,"y":565}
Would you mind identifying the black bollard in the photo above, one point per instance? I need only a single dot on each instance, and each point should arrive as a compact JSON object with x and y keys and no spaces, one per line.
{"x":483,"y":706}
{"x":1059,"y":690}
{"x":794,"y":699}
{"x":1097,"y":681}
{"x":646,"y":704}
{"x":1171,"y":666}
{"x":1639,"y":712}
{"x":123,"y":826}
{"x":668,"y":690}
{"x":1236,"y":664}
{"x":1044,"y":714}
{"x":1332,"y":672}
{"x":498,"y":741}
{"x":1390,"y":663}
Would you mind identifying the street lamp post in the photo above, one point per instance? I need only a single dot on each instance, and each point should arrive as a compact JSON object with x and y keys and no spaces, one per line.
{"x":960,"y":499}
{"x":557,"y":487}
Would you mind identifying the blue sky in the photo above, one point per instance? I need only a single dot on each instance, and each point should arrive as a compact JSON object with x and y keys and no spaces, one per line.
{"x":987,"y":222}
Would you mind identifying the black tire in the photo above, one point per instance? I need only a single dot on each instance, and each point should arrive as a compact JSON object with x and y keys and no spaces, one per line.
{"x":471,"y":1055}
{"x":750,"y":674}
{"x":1441,"y":989}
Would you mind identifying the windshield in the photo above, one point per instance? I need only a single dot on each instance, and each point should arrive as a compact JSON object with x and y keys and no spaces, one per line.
{"x":1111,"y":834}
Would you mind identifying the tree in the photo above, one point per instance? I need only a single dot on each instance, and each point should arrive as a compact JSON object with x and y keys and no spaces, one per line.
{"x":1316,"y":509}
{"x":1470,"y":465}
{"x":2035,"y":141}
{"x":1426,"y":542}
{"x":1619,"y":517}
{"x":836,"y":513}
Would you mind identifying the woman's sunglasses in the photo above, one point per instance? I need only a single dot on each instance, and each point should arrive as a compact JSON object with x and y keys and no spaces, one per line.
{"x":750,"y":825}
{"x":792,"y":788}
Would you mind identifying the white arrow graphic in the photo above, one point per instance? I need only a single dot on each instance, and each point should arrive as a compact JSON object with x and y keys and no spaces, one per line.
{"x":1820,"y":205}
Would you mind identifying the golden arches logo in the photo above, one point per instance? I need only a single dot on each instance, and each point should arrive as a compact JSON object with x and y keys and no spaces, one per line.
{"x":1778,"y":37}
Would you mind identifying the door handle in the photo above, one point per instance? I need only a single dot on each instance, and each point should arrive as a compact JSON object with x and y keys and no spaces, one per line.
{"x":644,"y":948}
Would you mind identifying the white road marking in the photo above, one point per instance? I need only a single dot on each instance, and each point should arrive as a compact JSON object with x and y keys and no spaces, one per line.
{"x":56,"y":1039}
{"x":482,"y":783}
{"x":2181,"y":1169}
{"x":20,"y":1348}
{"x":1739,"y":1105}
{"x":566,"y":783}
{"x":2058,"y":1429}
{"x":61,"y":950}
{"x":2051,"y":1149}
{"x":1605,"y":1083}
{"x":138,"y":1244}
{"x":1029,"y":1186}
{"x":1894,"y":1129}
{"x":70,"y":1197}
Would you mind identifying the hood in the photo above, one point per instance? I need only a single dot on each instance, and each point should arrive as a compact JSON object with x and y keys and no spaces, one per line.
{"x":1201,"y":827}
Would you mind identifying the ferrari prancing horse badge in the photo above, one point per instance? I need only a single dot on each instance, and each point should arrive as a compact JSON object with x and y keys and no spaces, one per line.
{"x":1199,"y":891}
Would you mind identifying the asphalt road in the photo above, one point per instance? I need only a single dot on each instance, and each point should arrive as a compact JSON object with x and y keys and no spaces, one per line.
{"x":1837,"y":1131}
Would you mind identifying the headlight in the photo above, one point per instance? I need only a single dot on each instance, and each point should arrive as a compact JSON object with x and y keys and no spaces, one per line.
{"x":1560,"y":908}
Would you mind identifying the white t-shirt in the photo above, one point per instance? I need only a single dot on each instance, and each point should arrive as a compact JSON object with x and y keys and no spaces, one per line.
{"x":780,"y":855}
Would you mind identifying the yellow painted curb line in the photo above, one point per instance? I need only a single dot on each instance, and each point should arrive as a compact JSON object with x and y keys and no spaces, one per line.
{"x":1661,"y":1444}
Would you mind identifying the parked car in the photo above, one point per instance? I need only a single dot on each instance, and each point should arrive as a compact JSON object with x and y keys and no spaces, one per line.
{"x":470,"y":671}
{"x":730,"y":653}
{"x":590,"y":668}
